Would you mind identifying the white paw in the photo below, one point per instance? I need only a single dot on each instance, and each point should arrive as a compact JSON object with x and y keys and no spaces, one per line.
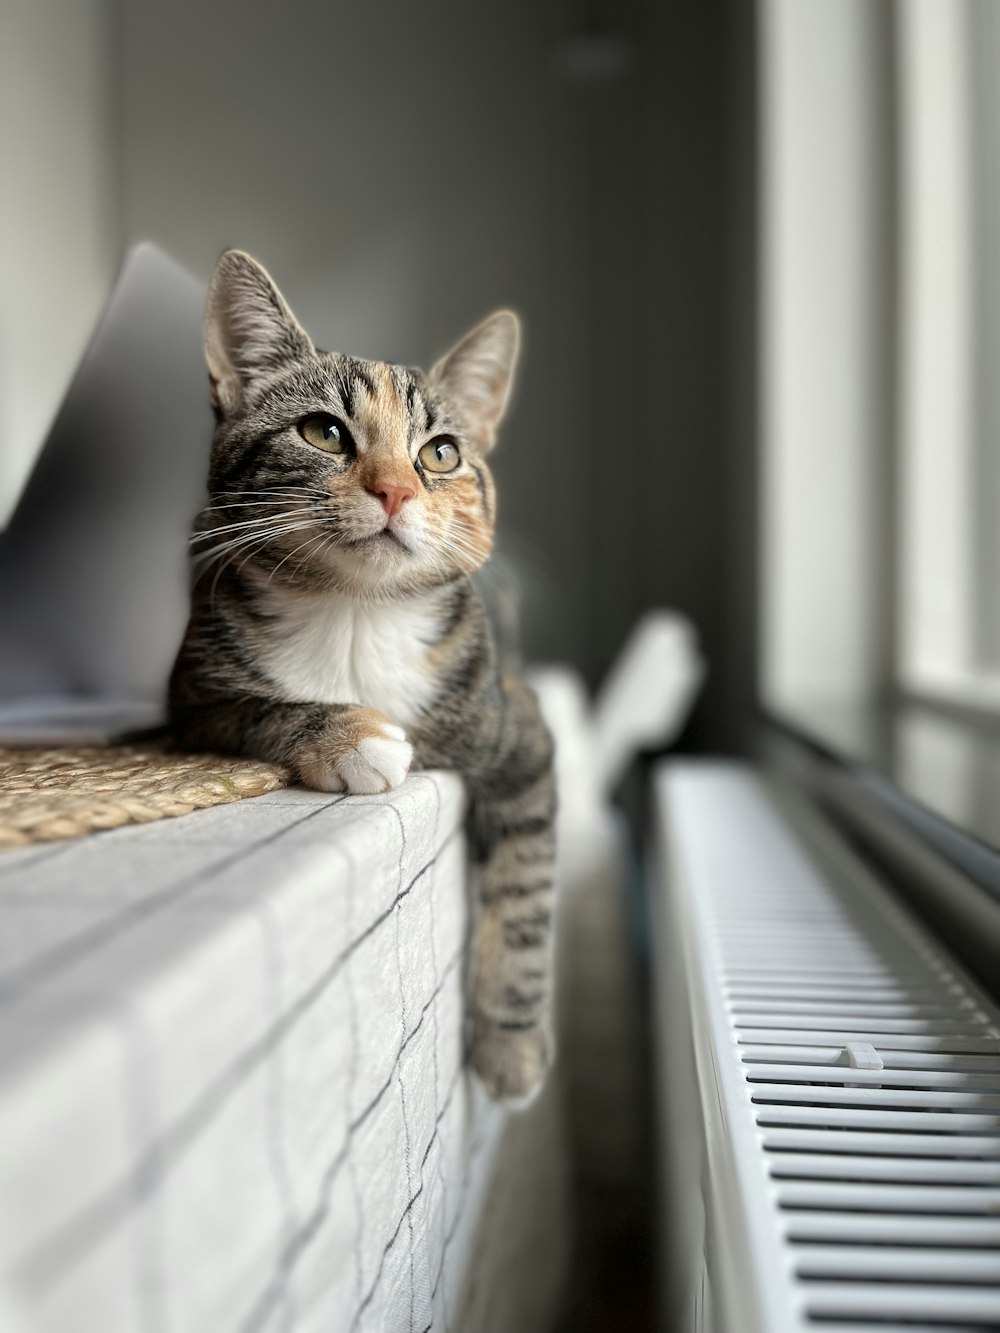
{"x":511,"y":1065}
{"x":377,"y":764}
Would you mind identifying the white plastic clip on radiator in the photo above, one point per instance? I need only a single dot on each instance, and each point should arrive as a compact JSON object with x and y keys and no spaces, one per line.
{"x":863,"y":1055}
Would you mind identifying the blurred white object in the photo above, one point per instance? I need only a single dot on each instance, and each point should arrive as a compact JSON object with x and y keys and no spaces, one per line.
{"x":645,"y":703}
{"x":647,"y":696}
{"x":93,"y":564}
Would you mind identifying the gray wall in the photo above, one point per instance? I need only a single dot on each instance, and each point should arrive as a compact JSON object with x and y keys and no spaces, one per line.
{"x":401,"y":170}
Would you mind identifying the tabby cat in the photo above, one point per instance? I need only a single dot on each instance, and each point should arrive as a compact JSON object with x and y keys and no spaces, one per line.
{"x":335,"y":627}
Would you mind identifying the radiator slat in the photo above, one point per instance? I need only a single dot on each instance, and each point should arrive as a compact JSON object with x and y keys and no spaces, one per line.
{"x":836,"y":1055}
{"x":842,"y":1118}
{"x":863,"y":1326}
{"x":929,"y":1099}
{"x":986,"y":1146}
{"x":895,"y":1041}
{"x":870,"y":1009}
{"x":832,"y":991}
{"x":868,"y":1198}
{"x":887,"y":1077}
{"x":872,"y":1229}
{"x":897,"y":1263}
{"x":872,"y":1300}
{"x":865,"y":1021}
{"x":837,"y":1166}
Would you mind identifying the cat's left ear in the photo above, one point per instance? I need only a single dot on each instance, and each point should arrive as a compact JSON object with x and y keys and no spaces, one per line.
{"x":249,"y":329}
{"x":477,"y":373}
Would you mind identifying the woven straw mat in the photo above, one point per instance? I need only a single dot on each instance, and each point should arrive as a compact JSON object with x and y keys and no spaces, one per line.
{"x":63,"y":793}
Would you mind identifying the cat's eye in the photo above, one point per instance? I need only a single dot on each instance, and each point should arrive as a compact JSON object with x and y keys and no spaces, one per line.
{"x":325,"y":432}
{"x":440,"y":455}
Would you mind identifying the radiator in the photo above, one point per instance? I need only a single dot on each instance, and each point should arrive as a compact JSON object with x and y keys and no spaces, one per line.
{"x":233,"y":1093}
{"x":829,"y":1081}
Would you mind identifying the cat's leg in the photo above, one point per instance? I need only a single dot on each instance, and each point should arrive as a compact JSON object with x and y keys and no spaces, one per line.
{"x":330,"y":747}
{"x":511,"y":981}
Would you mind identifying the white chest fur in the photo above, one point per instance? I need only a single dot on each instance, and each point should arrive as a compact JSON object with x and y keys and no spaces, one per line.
{"x":329,"y":649}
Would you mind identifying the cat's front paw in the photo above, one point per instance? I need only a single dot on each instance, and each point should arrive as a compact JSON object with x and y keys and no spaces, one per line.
{"x":362,"y":753}
{"x":511,"y":1064}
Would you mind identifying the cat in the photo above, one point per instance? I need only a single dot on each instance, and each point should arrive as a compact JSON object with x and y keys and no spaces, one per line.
{"x":335,"y":626}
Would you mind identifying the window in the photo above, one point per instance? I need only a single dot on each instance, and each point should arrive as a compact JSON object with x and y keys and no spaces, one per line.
{"x":949,"y":350}
{"x":881,"y":351}
{"x":880,"y":389}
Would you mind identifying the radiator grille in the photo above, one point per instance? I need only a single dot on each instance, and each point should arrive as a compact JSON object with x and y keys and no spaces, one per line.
{"x":856,"y":1064}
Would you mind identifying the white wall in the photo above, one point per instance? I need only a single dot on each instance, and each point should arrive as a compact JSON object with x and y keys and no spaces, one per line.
{"x":57,"y":229}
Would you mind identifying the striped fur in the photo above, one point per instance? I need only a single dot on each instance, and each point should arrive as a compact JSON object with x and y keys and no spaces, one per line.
{"x":335,"y":626}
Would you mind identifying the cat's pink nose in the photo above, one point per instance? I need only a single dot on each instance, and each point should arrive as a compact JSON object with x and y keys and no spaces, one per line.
{"x":392,"y":495}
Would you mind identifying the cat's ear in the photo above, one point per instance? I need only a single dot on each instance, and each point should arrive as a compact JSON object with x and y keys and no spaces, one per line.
{"x":476,"y":374}
{"x":249,"y":329}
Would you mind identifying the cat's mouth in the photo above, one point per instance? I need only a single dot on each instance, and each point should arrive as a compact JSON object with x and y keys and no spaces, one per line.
{"x":384,"y":537}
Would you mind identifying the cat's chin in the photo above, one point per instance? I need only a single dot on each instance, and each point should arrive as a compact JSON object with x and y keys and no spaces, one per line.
{"x":392,"y":574}
{"x":377,"y":567}
{"x":377,"y":556}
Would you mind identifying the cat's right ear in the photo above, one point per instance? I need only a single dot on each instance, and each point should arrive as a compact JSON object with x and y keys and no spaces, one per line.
{"x":249,"y":329}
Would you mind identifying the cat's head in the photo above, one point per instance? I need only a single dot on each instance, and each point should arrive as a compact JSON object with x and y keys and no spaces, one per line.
{"x":339,"y":472}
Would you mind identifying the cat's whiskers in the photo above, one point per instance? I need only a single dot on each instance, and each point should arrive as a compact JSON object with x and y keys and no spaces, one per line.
{"x":205,"y":559}
{"x":455,"y":545}
{"x":261,"y":520}
{"x":249,"y":504}
{"x":248,"y":496}
{"x":257,"y":542}
{"x":290,"y":554}
{"x":280,"y":490}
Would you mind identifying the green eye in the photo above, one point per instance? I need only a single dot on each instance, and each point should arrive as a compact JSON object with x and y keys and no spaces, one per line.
{"x":325,"y":432}
{"x":440,"y":455}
